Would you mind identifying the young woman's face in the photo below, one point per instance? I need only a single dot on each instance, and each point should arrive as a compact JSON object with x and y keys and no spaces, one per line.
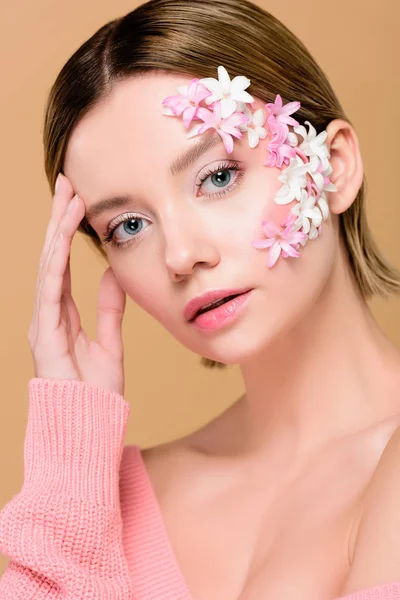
{"x":181,"y":237}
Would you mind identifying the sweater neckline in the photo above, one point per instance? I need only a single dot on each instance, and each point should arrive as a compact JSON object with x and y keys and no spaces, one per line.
{"x":156,"y":520}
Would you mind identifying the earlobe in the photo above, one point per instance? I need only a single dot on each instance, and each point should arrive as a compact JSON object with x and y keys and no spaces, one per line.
{"x":347,"y":165}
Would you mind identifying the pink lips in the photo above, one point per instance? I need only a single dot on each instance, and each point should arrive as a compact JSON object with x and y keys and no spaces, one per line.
{"x":195,"y":304}
{"x":222,"y":315}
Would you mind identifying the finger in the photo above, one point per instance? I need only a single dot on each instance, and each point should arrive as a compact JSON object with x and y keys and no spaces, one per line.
{"x":110,"y":312}
{"x":60,"y":201}
{"x":51,"y":290}
{"x":72,"y":312}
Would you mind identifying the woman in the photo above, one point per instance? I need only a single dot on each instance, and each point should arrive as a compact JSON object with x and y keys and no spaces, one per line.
{"x":291,"y":493}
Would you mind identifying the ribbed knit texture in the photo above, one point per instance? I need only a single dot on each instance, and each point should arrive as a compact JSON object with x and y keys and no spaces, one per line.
{"x":86,"y":524}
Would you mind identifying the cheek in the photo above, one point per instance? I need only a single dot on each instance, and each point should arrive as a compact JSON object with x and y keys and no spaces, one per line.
{"x":140,"y":281}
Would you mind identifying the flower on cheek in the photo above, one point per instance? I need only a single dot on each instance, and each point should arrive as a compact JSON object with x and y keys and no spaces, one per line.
{"x":307,"y":213}
{"x":280,"y":240}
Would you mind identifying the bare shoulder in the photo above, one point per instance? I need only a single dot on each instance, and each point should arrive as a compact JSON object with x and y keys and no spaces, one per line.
{"x":376,"y":553}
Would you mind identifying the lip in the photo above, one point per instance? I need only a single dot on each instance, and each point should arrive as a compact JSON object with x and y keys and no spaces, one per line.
{"x":222,"y":316}
{"x":195,"y":304}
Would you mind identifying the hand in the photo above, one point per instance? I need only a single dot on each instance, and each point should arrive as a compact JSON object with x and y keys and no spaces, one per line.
{"x":60,"y":348}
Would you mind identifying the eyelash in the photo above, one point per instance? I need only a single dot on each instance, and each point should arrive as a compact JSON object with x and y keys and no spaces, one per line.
{"x":224,"y":166}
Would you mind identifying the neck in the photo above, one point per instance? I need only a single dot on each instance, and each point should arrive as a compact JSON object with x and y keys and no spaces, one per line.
{"x":332,"y":375}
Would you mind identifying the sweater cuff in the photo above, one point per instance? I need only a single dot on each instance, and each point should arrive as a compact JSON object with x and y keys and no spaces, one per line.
{"x":74,"y":440}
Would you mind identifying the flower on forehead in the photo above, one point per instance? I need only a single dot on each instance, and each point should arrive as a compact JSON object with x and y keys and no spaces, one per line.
{"x":254,"y":126}
{"x":227,"y":91}
{"x":279,"y":241}
{"x":226,"y":128}
{"x":294,"y":179}
{"x":186,"y":102}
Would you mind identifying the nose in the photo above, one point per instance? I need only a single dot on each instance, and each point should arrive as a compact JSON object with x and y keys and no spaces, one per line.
{"x":188,"y":244}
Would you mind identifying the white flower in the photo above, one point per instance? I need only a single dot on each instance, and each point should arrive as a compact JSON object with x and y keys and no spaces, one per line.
{"x":319,"y":170}
{"x":294,"y":180}
{"x":254,"y":126}
{"x":307,"y":213}
{"x":313,"y":143}
{"x":292,"y":139}
{"x":323,"y":206}
{"x":229,"y":92}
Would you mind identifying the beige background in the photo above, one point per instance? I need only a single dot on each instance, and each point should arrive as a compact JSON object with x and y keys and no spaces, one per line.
{"x":357,"y":44}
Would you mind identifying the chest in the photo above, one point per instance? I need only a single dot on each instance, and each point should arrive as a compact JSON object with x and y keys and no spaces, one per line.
{"x":265,"y":544}
{"x":258,"y":539}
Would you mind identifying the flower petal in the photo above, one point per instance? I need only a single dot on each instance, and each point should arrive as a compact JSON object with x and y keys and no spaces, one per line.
{"x":228,"y":107}
{"x":227,"y":139}
{"x":271,"y":230}
{"x":213,"y":86}
{"x":252,"y":137}
{"x":261,"y":244}
{"x":259,"y":117}
{"x":289,"y":249}
{"x":323,"y":205}
{"x":194,"y":131}
{"x":274,"y":254}
{"x":188,"y":115}
{"x":224,"y":79}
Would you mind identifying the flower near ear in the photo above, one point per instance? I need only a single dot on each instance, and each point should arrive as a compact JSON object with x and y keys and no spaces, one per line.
{"x":227,"y":91}
{"x":312,"y":143}
{"x":278,"y":240}
{"x":309,"y":216}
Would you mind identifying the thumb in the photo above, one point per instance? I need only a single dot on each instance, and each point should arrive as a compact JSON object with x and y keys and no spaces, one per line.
{"x":110,"y":311}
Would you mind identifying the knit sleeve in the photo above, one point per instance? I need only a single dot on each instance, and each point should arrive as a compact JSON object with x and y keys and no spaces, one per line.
{"x":387,"y":591}
{"x":63,"y":531}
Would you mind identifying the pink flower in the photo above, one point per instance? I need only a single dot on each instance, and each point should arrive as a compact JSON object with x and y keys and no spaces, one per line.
{"x":226,"y":128}
{"x":279,"y":151}
{"x":279,"y":155}
{"x":187,"y":102}
{"x":278,"y":241}
{"x":282,"y":112}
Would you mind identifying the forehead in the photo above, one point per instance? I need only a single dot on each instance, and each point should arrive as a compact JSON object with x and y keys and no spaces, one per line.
{"x":128,"y":125}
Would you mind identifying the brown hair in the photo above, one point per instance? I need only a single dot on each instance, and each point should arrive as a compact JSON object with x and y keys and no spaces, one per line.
{"x":194,"y":37}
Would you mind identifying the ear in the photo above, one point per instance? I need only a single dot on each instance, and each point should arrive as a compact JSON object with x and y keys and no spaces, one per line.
{"x":347,"y":165}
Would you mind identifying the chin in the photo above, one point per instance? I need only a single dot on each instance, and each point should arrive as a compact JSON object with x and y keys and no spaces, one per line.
{"x":236,"y":344}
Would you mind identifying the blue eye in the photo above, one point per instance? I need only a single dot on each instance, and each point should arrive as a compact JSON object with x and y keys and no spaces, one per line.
{"x":221,"y":177}
{"x":131,"y":223}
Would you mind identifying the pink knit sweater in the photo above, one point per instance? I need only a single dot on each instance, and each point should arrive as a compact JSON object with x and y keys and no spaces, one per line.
{"x":86,"y":524}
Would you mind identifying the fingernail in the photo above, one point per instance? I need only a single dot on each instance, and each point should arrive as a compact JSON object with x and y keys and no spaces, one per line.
{"x":73,"y":203}
{"x":58,"y":181}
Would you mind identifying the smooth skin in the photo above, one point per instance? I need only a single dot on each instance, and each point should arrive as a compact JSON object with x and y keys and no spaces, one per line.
{"x":60,"y":347}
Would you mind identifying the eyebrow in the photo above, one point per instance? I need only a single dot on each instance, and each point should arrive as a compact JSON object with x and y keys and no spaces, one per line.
{"x":180,"y":164}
